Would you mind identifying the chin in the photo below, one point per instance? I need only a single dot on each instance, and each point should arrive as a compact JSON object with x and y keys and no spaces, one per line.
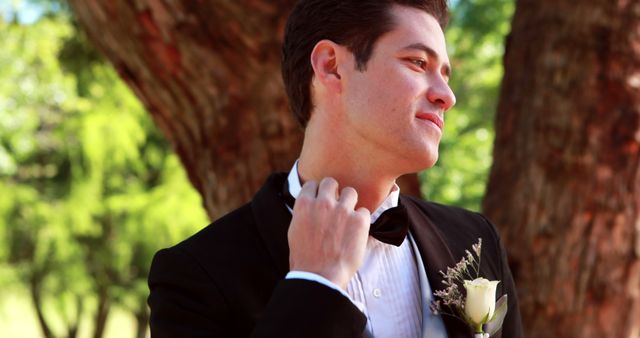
{"x":422,"y":161}
{"x":430,"y":163}
{"x":431,"y":156}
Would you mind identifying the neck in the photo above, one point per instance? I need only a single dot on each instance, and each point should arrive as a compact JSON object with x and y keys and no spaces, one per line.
{"x":331,"y":156}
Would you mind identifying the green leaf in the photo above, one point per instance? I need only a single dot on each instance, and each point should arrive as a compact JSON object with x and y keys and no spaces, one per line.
{"x":498,"y":316}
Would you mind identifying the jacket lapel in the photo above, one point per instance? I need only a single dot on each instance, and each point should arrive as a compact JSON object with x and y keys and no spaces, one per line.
{"x":432,"y":325}
{"x":272,"y":220}
{"x":436,"y":257}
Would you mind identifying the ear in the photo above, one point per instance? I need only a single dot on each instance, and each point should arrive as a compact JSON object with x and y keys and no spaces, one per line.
{"x":325,"y":60}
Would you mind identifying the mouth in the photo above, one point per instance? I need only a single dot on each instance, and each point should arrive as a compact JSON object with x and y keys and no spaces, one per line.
{"x":432,"y":117}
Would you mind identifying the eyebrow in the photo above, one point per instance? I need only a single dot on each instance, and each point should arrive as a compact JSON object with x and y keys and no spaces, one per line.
{"x":431,"y":53}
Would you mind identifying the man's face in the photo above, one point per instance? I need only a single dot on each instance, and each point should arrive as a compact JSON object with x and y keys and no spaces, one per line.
{"x":395,"y":108}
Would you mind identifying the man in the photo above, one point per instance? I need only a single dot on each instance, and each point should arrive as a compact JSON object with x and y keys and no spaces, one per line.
{"x":368,"y":81}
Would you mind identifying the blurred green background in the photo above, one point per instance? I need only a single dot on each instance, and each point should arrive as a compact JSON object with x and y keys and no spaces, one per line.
{"x":90,"y":189}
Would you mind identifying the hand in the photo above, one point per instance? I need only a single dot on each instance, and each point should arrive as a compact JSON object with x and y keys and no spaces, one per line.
{"x":327,"y":236}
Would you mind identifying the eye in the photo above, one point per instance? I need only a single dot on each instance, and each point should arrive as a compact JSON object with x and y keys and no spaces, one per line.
{"x":420,"y":63}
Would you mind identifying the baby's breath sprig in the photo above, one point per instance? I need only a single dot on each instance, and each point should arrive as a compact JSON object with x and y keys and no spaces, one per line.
{"x":451,"y":300}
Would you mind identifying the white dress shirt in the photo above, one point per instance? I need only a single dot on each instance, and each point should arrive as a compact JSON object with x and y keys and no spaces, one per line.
{"x":387,"y":287}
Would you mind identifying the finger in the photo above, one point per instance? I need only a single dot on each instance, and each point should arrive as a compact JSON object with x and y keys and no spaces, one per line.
{"x":365,"y":214}
{"x":364,"y":220}
{"x":348,"y":198}
{"x":328,"y":188}
{"x":309,"y":190}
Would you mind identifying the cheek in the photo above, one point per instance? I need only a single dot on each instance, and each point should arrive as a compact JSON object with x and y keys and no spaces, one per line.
{"x":389,"y":95}
{"x":398,"y":98}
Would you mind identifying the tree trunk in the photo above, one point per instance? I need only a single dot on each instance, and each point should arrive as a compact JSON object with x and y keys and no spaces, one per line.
{"x":142,"y":319}
{"x":102,"y":312}
{"x":209,"y":74}
{"x":74,"y":324}
{"x":564,"y":188}
{"x":35,"y":289}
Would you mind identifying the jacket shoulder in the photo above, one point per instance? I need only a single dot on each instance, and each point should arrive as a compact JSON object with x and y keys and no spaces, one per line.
{"x":455,"y":219}
{"x":461,"y":228}
{"x":225,"y":231}
{"x":228,"y":243}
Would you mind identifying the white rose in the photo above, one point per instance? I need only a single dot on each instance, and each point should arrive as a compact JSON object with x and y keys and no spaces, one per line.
{"x":481,"y":300}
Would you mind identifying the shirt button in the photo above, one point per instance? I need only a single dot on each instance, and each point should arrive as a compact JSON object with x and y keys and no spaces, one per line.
{"x":377,"y":293}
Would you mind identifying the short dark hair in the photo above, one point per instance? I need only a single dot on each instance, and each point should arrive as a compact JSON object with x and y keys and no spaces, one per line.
{"x":356,"y":24}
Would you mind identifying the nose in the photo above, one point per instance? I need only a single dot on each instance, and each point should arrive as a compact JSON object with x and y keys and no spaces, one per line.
{"x":440,"y":94}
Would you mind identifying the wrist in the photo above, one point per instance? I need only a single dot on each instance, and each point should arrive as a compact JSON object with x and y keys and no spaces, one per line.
{"x":332,"y":276}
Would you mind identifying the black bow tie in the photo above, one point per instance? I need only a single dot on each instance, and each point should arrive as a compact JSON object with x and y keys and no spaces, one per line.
{"x":391,"y":227}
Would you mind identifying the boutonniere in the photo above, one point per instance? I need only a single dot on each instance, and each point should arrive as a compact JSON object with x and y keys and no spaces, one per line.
{"x":469,"y":297}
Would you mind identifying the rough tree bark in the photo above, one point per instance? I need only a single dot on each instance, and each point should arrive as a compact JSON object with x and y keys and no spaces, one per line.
{"x":209,"y":74}
{"x":565,"y":184}
{"x":206,"y":72}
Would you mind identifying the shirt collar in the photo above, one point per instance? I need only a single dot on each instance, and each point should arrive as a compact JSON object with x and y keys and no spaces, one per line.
{"x":389,"y":202}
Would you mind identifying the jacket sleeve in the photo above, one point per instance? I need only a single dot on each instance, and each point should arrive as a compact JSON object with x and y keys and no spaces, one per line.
{"x":186,"y":302}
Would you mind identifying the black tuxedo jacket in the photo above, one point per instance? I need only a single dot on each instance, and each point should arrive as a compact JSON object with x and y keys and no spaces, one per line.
{"x":228,"y":279}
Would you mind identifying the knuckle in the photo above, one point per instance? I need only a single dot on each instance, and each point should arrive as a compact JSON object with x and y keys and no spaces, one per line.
{"x":359,"y":226}
{"x":342,"y":209}
{"x":324,"y":203}
{"x":349,"y":190}
{"x":329,"y":180}
{"x":328,"y":183}
{"x":302,"y":201}
{"x":309,"y":184}
{"x":309,"y":188}
{"x":363,"y":215}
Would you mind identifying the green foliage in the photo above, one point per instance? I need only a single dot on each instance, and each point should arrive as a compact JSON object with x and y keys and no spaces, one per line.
{"x":89,"y":188}
{"x":475,"y":39}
